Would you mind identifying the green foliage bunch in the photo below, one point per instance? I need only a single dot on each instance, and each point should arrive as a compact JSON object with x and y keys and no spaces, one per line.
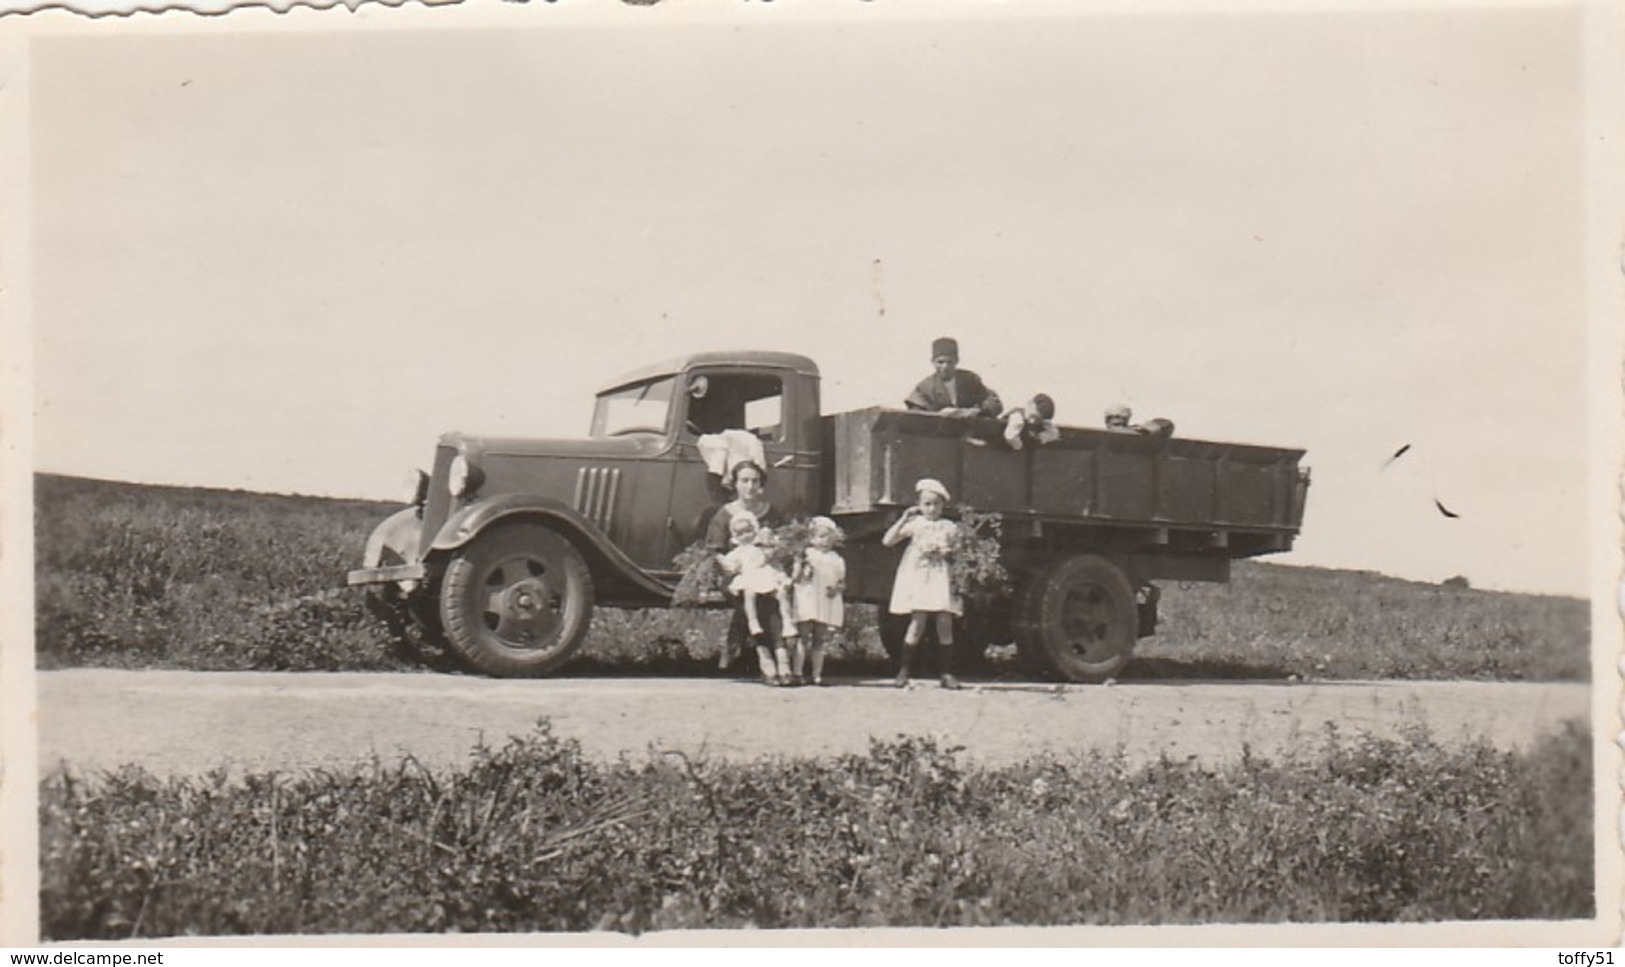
{"x":536,"y":836}
{"x":974,"y":555}
{"x":787,"y":545}
{"x":702,"y":580}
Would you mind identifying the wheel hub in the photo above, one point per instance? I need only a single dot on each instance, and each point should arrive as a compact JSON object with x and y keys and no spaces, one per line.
{"x":1086,"y":621}
{"x":527,"y":599}
{"x":522,"y":608}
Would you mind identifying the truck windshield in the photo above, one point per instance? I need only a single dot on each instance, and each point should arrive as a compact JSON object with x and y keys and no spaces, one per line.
{"x":634,"y":409}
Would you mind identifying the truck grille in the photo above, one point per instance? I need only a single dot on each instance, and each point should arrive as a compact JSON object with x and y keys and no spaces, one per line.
{"x":595,"y":494}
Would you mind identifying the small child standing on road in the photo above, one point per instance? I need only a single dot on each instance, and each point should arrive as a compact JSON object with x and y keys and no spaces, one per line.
{"x":819,"y":609}
{"x":754,"y":575}
{"x":924,"y":587}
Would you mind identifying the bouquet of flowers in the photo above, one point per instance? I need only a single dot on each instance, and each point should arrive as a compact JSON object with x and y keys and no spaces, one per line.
{"x":703,"y":581}
{"x":972,"y":554}
{"x":786,"y":546}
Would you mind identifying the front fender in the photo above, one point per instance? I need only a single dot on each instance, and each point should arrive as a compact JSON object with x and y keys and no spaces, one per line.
{"x":469,"y":522}
{"x":395,"y":540}
{"x":391,"y":554}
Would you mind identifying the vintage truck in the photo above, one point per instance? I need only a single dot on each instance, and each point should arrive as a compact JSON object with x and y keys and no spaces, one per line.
{"x":509,"y":544}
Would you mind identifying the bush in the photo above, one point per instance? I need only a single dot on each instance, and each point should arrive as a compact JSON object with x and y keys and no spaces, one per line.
{"x":533,"y":836}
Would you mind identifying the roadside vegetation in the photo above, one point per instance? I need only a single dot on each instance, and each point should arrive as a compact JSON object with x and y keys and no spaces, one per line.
{"x":533,"y":836}
{"x":1321,"y":623}
{"x":139,"y":576}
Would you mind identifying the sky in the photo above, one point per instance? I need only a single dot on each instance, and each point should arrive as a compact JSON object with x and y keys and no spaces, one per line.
{"x":287,"y":259}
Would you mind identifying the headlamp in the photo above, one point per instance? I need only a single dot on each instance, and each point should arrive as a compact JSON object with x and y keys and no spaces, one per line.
{"x":463,"y":478}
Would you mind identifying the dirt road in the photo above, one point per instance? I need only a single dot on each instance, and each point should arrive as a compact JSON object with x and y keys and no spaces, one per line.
{"x":189,"y":722}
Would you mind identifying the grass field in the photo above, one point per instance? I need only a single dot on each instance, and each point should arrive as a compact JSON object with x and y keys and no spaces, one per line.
{"x":533,"y":836}
{"x":142,"y":576}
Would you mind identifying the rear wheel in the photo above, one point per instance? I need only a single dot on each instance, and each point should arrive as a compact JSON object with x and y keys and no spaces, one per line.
{"x":1076,"y":619}
{"x":517,"y":601}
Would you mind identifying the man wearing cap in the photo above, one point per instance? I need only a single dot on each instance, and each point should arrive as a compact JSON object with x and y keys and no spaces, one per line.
{"x":950,"y":390}
{"x":1120,"y":418}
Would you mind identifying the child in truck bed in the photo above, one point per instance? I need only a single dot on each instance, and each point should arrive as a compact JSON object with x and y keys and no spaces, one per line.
{"x":1033,"y":423}
{"x":923,"y":589}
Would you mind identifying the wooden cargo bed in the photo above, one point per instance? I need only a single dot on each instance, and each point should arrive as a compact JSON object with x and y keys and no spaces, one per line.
{"x":1234,"y":500}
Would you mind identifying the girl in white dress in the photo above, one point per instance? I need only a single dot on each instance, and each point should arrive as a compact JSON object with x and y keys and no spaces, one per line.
{"x":924,"y":587}
{"x":819,"y":609}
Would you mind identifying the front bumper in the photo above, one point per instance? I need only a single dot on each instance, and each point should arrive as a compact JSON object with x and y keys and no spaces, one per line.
{"x":393,"y":574}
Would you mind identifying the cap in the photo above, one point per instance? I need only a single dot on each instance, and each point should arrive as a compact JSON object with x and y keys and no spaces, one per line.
{"x":929,"y":486}
{"x":1159,"y":427}
{"x":945,"y":346}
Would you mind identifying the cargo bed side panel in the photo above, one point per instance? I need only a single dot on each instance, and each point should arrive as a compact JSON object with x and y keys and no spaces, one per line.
{"x":1089,"y":476}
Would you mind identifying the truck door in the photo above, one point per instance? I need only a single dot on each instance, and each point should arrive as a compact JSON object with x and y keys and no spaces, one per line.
{"x":724,"y":408}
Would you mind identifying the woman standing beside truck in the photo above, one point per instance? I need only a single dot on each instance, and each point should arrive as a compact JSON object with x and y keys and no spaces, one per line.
{"x":748,"y":480}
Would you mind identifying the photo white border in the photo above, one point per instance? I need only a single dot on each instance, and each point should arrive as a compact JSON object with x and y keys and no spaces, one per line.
{"x":1604,"y":91}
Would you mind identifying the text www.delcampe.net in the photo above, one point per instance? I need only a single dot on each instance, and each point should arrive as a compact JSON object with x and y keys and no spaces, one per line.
{"x":71,"y":958}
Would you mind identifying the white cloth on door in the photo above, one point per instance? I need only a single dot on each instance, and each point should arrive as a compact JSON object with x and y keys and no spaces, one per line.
{"x":726,"y":450}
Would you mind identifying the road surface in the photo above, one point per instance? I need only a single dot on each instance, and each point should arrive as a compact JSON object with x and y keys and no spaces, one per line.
{"x":173,"y":722}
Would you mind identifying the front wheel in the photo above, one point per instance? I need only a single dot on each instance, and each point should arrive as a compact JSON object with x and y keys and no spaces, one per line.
{"x":1077,"y":619}
{"x":517,"y":601}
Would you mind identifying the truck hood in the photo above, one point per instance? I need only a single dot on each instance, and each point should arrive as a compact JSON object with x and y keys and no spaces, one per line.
{"x":627,"y":447}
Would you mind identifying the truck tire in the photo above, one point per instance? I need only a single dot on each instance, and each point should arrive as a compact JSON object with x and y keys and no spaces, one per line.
{"x":517,"y":601}
{"x":1076,"y":619}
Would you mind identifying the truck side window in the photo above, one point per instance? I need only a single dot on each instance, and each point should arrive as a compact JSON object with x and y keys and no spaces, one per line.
{"x":738,"y":401}
{"x":763,"y":417}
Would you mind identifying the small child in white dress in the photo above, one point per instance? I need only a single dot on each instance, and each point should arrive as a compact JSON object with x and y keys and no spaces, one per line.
{"x":753,"y":575}
{"x":819,"y":609}
{"x":924,"y":584}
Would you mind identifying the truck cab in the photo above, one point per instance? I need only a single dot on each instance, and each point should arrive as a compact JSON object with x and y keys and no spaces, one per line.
{"x":771,"y":396}
{"x":509,"y":542}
